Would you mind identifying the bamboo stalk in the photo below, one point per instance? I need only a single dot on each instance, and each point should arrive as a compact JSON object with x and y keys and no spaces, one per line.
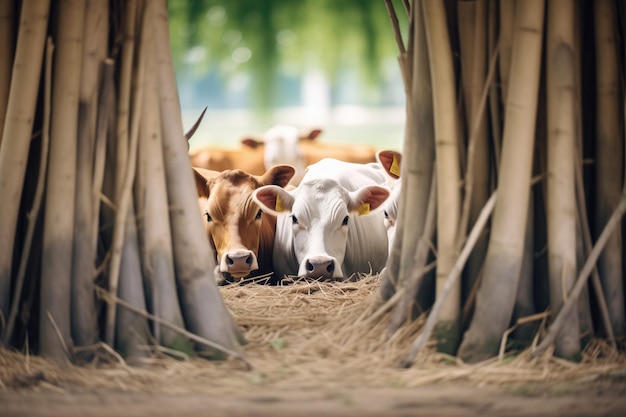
{"x":155,"y":230}
{"x":105,"y":100}
{"x":56,"y":275}
{"x":494,"y":100}
{"x":524,"y":303}
{"x":396,"y":26}
{"x":7,"y":45}
{"x":474,"y":134}
{"x":466,"y":21}
{"x":419,"y":343}
{"x":84,"y":314}
{"x":421,"y":256}
{"x":609,"y":149}
{"x":203,"y":308}
{"x":389,"y":274}
{"x":419,"y":149}
{"x":587,"y":246}
{"x":415,"y":176}
{"x":581,"y":281}
{"x":34,"y":212}
{"x":561,"y":195}
{"x":507,"y":25}
{"x":495,"y":300}
{"x":125,"y":164}
{"x":131,"y":332}
{"x":18,"y":128}
{"x":447,"y":167}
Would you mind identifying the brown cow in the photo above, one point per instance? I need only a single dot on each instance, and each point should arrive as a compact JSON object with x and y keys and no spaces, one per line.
{"x":220,"y":159}
{"x":240,"y":233}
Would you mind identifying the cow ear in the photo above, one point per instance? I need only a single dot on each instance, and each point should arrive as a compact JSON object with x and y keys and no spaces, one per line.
{"x":311,"y":134}
{"x":273,"y":199}
{"x":390,"y":161}
{"x":278,"y":175}
{"x":252,"y":142}
{"x":201,"y":184}
{"x":367,"y":198}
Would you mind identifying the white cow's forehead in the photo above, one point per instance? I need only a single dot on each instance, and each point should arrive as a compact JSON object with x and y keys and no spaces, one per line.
{"x":281,"y":132}
{"x":322,"y":199}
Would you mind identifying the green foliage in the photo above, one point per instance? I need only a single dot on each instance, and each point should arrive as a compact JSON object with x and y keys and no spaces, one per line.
{"x":265,"y":37}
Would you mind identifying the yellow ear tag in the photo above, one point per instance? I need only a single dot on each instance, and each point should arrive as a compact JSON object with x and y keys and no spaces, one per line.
{"x":395,"y":167}
{"x":363,"y":209}
{"x":279,"y":204}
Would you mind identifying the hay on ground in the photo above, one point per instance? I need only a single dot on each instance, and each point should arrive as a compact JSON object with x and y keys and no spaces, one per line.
{"x":308,"y":335}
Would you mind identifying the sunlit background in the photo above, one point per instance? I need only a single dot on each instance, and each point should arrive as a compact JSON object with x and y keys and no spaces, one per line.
{"x":308,"y":63}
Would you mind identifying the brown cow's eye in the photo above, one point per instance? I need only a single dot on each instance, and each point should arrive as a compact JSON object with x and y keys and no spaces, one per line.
{"x":208,"y":217}
{"x":345,"y":221}
{"x":258,"y":215}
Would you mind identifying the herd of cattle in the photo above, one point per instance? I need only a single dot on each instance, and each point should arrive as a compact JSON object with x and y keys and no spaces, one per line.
{"x":285,"y":204}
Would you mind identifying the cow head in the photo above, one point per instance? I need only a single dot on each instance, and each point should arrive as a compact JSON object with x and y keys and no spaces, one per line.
{"x":391,"y":162}
{"x":233,"y":221}
{"x":281,"y":145}
{"x":321,"y":214}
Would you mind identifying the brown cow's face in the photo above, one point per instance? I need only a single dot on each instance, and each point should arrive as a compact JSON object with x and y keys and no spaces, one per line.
{"x":233,"y":220}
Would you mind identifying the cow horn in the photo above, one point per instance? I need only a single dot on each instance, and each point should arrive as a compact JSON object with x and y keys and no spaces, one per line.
{"x":193,"y":128}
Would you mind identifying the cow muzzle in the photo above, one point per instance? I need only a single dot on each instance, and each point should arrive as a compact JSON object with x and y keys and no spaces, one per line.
{"x":238,"y":263}
{"x":321,"y":267}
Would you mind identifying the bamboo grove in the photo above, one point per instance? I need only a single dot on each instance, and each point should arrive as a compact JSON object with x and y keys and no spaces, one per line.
{"x":509,"y":229}
{"x":100,"y":238}
{"x":512,"y":173}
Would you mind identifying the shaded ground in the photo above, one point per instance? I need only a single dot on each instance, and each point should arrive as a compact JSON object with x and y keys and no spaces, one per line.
{"x":438,"y":400}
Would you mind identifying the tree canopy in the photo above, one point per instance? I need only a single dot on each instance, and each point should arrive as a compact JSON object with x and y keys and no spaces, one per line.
{"x":216,"y":42}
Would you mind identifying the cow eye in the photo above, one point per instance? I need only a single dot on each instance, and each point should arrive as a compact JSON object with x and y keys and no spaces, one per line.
{"x":258,"y":215}
{"x":294,"y":219}
{"x":345,"y":221}
{"x":208,"y":216}
{"x":386,"y":214}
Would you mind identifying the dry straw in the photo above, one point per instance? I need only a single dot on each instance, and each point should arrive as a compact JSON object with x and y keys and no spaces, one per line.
{"x":308,"y":335}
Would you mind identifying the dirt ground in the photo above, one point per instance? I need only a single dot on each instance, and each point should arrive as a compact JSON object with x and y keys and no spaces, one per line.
{"x":315,"y":350}
{"x":437,"y":400}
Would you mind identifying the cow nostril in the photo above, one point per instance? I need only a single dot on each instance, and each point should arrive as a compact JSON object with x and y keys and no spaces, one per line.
{"x":249,"y":260}
{"x":309,"y":267}
{"x":331,"y":268}
{"x":229,"y":260}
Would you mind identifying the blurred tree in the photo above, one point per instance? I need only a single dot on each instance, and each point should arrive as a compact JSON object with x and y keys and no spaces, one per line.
{"x":216,"y":42}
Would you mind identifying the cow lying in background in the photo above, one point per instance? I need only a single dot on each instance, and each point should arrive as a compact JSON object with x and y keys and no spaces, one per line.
{"x":300,"y":148}
{"x":242,"y":236}
{"x":391,"y":163}
{"x":329,"y":226}
{"x":280,"y":145}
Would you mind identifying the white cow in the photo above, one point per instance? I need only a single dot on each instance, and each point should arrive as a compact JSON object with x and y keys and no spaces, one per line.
{"x":282,"y":145}
{"x":330,"y":225}
{"x":391,"y":162}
